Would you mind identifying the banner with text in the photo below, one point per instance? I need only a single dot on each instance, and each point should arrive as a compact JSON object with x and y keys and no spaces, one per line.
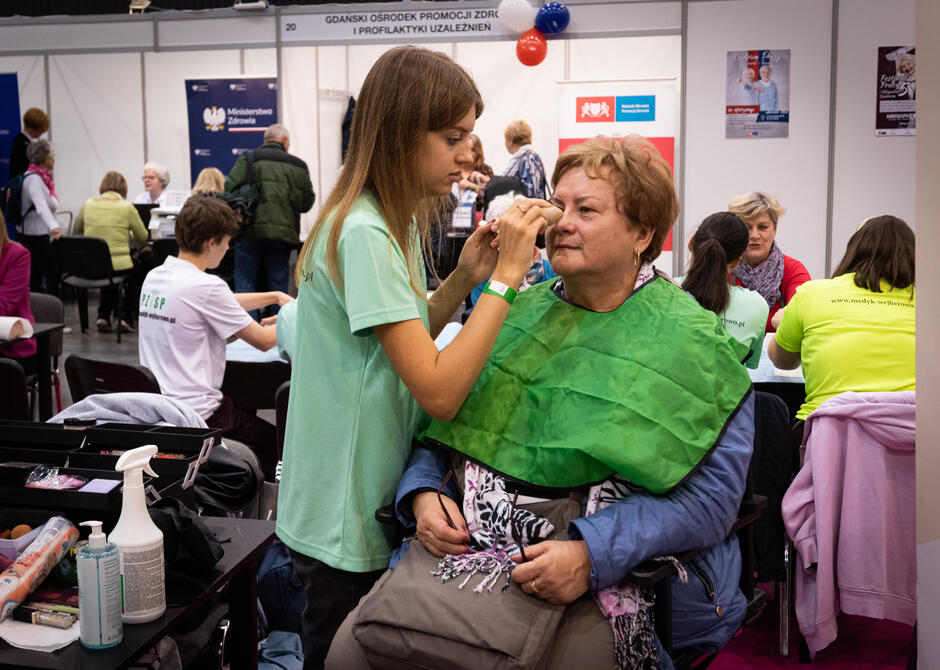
{"x":404,"y":25}
{"x":226,"y":117}
{"x":620,"y":108}
{"x":9,"y":121}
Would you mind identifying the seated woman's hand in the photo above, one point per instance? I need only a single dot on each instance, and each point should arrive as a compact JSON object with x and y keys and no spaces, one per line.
{"x":479,"y":178}
{"x":467,"y":183}
{"x":559,"y":572}
{"x":433,"y":530}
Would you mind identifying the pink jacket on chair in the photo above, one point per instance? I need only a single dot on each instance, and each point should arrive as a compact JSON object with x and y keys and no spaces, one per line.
{"x":850,"y":514}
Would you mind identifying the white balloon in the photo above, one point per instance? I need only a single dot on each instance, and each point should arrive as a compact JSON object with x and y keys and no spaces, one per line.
{"x":517,"y":15}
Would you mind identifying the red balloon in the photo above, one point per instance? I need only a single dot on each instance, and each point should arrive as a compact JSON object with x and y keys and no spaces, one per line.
{"x":531,"y":47}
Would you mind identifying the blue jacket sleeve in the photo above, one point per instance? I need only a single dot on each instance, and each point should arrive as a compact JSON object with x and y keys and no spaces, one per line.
{"x":696,"y":515}
{"x":426,"y":469}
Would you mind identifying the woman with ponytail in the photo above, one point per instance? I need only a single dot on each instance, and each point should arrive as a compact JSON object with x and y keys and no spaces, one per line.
{"x":717,"y":248}
{"x":365,"y":364}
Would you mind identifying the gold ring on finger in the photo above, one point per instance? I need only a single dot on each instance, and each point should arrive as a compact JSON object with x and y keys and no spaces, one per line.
{"x":535,"y":588}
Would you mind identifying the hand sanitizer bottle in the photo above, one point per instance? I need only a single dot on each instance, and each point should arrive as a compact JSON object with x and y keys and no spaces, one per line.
{"x":99,"y":591}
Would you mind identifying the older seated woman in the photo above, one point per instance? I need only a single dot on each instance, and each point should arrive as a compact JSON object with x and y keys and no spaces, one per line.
{"x":620,"y":411}
{"x":156,"y":178}
{"x":855,"y":332}
{"x":112,"y":218}
{"x":766,"y":269}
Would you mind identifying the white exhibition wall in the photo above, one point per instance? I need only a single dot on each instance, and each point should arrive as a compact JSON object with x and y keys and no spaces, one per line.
{"x":794,"y":168}
{"x":872,"y":175}
{"x":112,"y":110}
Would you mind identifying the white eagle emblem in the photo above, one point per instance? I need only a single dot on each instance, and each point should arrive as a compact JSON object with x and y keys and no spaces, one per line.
{"x":214,"y":118}
{"x":595,"y":109}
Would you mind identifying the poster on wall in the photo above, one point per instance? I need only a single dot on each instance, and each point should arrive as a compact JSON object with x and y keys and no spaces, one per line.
{"x":757,"y":93}
{"x":620,"y":108}
{"x":9,"y":121}
{"x":897,"y":91}
{"x":226,"y":117}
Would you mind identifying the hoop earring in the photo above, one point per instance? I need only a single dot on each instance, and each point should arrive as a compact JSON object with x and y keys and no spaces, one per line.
{"x":636,"y":261}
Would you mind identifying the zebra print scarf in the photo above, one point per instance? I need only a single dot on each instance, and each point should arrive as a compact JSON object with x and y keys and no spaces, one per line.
{"x":489,"y":512}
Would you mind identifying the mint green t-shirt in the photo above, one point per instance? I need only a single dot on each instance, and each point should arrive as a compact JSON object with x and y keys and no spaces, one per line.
{"x":745,"y":319}
{"x":850,"y":338}
{"x":350,"y":420}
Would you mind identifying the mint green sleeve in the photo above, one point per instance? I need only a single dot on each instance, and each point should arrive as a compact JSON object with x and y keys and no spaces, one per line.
{"x":757,"y":345}
{"x":376,"y":283}
{"x":760,"y":328}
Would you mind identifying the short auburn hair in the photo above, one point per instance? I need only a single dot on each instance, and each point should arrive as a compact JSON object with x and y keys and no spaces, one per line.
{"x":113,"y":181}
{"x":201,"y":219}
{"x":36,"y":119}
{"x":640,"y":176}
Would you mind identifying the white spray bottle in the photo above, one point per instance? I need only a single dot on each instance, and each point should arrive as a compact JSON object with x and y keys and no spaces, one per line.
{"x":139,"y":542}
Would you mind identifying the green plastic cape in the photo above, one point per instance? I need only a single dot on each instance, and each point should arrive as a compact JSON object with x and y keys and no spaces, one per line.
{"x":569,"y":396}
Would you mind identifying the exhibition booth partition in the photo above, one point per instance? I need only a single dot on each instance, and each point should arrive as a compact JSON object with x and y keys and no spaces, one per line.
{"x":121,"y":90}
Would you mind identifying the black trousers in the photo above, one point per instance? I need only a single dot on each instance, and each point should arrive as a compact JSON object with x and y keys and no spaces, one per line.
{"x":331,"y":595}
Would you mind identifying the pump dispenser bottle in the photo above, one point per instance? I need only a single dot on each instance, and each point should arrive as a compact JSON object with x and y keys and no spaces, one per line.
{"x":139,"y":542}
{"x":99,"y":591}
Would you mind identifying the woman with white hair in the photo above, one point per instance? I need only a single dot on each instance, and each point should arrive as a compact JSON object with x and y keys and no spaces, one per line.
{"x":39,"y":226}
{"x":156,"y":178}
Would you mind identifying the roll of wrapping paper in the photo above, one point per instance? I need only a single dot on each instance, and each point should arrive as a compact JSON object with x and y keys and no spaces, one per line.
{"x":35,"y":563}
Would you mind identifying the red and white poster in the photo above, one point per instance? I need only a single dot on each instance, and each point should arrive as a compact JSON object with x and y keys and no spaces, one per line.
{"x":618,"y":109}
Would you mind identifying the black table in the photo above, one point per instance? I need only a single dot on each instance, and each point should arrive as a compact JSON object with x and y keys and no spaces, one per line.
{"x":238,"y":569}
{"x":42,"y":331}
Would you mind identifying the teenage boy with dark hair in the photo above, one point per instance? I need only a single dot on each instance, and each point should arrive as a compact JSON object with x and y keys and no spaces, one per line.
{"x":186,"y":316}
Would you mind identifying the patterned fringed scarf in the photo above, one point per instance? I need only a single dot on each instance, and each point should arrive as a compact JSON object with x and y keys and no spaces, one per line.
{"x":489,"y":512}
{"x":766,"y":278}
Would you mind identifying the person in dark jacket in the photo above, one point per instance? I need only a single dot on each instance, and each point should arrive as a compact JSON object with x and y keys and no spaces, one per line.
{"x":35,"y":123}
{"x":286,"y":192}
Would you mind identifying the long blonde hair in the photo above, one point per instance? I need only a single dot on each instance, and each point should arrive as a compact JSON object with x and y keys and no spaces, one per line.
{"x":209,"y":180}
{"x":408,"y":93}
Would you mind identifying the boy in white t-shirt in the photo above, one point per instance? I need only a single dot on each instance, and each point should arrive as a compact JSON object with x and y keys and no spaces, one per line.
{"x":186,"y":316}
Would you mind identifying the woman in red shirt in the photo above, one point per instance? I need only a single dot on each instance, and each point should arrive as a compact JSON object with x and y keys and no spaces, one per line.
{"x":765,"y":268}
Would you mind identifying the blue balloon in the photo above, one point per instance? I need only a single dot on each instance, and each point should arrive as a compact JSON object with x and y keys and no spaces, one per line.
{"x":553,"y":17}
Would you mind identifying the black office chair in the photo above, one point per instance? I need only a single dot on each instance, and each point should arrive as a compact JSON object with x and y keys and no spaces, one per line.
{"x":85,"y":262}
{"x":14,"y":401}
{"x":500,"y":185}
{"x":87,"y":376}
{"x":773,"y":466}
{"x":48,"y":309}
{"x":164,"y":247}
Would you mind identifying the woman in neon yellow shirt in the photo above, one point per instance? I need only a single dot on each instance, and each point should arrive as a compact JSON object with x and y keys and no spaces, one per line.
{"x":855,"y":332}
